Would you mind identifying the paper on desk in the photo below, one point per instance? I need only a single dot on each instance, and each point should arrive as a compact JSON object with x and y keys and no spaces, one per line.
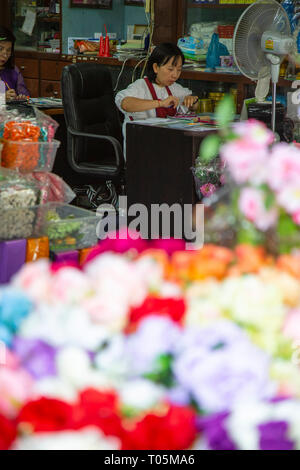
{"x":29,"y":22}
{"x":150,"y":121}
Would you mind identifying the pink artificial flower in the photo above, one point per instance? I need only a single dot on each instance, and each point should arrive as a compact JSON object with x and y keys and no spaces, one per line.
{"x":16,"y":387}
{"x":245,"y":160}
{"x":35,"y":279}
{"x":58,"y":265}
{"x":284,"y":166}
{"x":119,"y":242}
{"x":251,"y":204}
{"x":291,"y":327}
{"x":69,"y":285}
{"x":255,"y":131}
{"x":296,"y":217}
{"x":169,"y":245}
{"x":208,"y":189}
{"x":289,"y":197}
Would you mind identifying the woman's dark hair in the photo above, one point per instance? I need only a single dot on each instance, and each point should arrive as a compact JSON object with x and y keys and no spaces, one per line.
{"x":161,"y":56}
{"x":7,"y":35}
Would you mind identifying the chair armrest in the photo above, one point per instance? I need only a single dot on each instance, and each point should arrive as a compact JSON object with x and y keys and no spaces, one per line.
{"x":115,"y":143}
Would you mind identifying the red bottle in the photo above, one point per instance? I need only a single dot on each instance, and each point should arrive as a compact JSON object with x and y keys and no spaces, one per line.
{"x":101,"y":47}
{"x":106,"y":47}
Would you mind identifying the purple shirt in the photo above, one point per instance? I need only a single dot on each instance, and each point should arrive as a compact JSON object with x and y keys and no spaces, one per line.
{"x":14,"y":79}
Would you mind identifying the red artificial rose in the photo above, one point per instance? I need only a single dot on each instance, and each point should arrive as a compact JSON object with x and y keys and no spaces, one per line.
{"x":46,"y":415}
{"x":175,"y":430}
{"x":8,"y":433}
{"x":166,"y":307}
{"x":99,"y":409}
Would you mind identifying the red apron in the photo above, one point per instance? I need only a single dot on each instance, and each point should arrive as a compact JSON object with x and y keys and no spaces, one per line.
{"x":160,"y":112}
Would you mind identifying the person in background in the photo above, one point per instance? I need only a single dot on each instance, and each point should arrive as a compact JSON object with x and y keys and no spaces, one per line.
{"x":9,"y":73}
{"x":158,"y":94}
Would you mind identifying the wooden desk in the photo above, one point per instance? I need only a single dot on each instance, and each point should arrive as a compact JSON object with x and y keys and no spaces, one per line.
{"x":158,"y":166}
{"x":52,"y":111}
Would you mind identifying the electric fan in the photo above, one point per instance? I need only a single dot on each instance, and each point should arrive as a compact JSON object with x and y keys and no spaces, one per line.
{"x":262,"y":37}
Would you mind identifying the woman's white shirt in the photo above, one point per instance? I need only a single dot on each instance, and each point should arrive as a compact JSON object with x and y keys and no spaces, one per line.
{"x":139,"y":89}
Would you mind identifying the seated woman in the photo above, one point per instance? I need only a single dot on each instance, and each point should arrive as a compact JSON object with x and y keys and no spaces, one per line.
{"x":9,"y":73}
{"x":158,"y":94}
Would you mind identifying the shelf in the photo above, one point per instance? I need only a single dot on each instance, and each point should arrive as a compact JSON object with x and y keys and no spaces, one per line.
{"x":46,"y":19}
{"x":219,"y":5}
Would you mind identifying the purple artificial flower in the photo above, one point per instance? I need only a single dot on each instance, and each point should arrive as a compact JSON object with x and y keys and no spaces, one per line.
{"x":219,"y":366}
{"x":273,"y":436}
{"x":36,"y":356}
{"x":215,"y":433}
{"x":154,"y":337}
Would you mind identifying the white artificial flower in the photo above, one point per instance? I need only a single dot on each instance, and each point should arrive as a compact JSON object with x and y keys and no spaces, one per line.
{"x":112,"y":361}
{"x":63,"y":325}
{"x":203,"y":306}
{"x":89,"y":438}
{"x":150,"y":271}
{"x":250,"y":301}
{"x":243,"y":423}
{"x":170,"y":289}
{"x":141,"y":394}
{"x":113,"y":273}
{"x":74,"y":367}
{"x":69,"y":286}
{"x":56,"y":388}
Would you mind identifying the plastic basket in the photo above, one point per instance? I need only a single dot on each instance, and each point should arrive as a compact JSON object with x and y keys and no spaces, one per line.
{"x":29,"y":156}
{"x":67,"y":227}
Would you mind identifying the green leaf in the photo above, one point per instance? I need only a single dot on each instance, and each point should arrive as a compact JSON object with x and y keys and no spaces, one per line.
{"x":286,"y":226}
{"x":269,"y":199}
{"x":209,"y":148}
{"x":225,"y":111}
{"x":249,"y":234}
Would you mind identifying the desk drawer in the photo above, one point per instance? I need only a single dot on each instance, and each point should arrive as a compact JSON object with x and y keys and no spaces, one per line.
{"x":28,"y":67}
{"x":33,"y":86}
{"x":52,"y":69}
{"x":50,"y":88}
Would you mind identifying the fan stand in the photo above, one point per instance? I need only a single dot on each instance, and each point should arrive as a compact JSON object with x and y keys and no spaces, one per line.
{"x":275,"y":65}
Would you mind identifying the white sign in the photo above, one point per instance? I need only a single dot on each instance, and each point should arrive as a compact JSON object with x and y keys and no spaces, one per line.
{"x":29,"y":22}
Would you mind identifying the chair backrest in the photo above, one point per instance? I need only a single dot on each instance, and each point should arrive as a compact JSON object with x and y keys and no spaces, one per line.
{"x":89,"y":106}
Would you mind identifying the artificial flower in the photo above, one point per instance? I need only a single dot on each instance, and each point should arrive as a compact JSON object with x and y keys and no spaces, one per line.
{"x":156,"y":336}
{"x":173,"y":427}
{"x":173,"y":309}
{"x":220,"y":366}
{"x":252,"y":206}
{"x":45,"y":415}
{"x":8,"y":432}
{"x":36,"y":356}
{"x":89,"y":438}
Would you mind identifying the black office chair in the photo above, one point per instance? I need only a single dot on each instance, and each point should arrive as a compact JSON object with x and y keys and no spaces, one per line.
{"x":93,"y":126}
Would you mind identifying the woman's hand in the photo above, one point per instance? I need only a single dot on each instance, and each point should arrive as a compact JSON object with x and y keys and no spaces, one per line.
{"x":22,"y":97}
{"x":10,"y":94}
{"x":190,"y":101}
{"x":170,"y":102}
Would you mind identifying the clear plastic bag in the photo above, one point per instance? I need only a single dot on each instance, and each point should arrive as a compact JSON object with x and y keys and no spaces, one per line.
{"x":53,"y":188}
{"x":17,"y":190}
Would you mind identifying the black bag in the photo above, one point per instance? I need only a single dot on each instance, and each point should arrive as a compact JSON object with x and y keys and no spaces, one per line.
{"x":91,"y":197}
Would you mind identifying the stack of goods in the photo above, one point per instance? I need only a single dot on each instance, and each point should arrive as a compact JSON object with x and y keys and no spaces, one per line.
{"x":31,"y":197}
{"x":82,"y":370}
